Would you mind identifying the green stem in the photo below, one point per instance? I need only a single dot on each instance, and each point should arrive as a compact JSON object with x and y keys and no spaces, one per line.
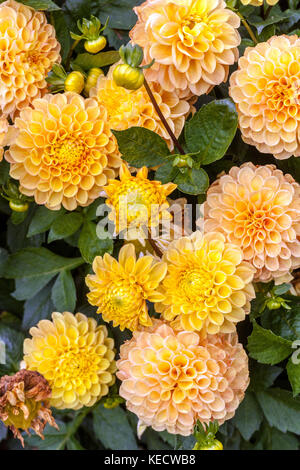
{"x":68,"y":59}
{"x":248,"y":28}
{"x":76,"y":423}
{"x":268,"y":11}
{"x":162,"y":118}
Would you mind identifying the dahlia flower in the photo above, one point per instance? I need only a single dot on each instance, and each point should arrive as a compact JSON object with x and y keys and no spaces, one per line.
{"x":28,"y":51}
{"x":136,"y":201}
{"x":75,"y":356}
{"x":64,"y":152}
{"x":208,"y":286}
{"x":24,"y":403}
{"x":193,"y":42}
{"x":257,"y":208}
{"x":120,"y":289}
{"x":266,"y":90}
{"x":171,"y":379}
{"x":127,"y":108}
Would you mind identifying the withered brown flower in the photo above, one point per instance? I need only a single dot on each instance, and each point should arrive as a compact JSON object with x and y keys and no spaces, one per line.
{"x":24,"y":403}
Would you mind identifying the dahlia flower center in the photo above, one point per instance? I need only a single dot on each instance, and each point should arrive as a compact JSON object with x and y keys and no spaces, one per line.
{"x":196,"y":283}
{"x":282,"y":93}
{"x":124,"y":298}
{"x":117,"y":103}
{"x":77,"y":364}
{"x":137,"y":201}
{"x":67,"y":153}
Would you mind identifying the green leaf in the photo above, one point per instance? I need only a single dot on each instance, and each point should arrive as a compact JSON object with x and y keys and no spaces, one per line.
{"x":86,"y":61}
{"x":285,"y":323}
{"x":280,"y":409}
{"x":64,"y":292}
{"x":166,"y":172}
{"x":29,"y":287}
{"x":31,"y":262}
{"x":266,"y":347}
{"x":3,"y":259}
{"x":42,"y":220}
{"x":293,"y":371}
{"x":120,"y":12}
{"x":142,"y":147}
{"x":41,"y":4}
{"x":112,"y":428}
{"x":4,"y":171}
{"x":282,"y":440}
{"x":90,"y":245}
{"x":13,"y":341}
{"x":211,"y":130}
{"x":64,"y":226}
{"x":194,"y":181}
{"x":248,"y":416}
{"x":62,"y":33}
{"x":260,"y":24}
{"x":54,"y":439}
{"x":263,"y":376}
{"x":38,"y":307}
{"x":74,"y":444}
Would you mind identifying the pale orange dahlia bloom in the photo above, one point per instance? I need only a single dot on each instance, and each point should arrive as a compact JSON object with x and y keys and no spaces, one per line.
{"x":120,"y":288}
{"x":171,"y":379}
{"x":193,"y":42}
{"x":75,"y":356}
{"x":258,"y":209}
{"x":65,"y":152}
{"x":208,"y":286}
{"x":136,"y":201}
{"x":28,"y":49}
{"x":266,"y":90}
{"x":127,"y":108}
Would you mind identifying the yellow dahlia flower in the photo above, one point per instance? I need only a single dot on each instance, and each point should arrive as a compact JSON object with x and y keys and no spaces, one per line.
{"x":64,"y":152}
{"x":128,"y":108}
{"x":171,"y":379}
{"x":258,"y":3}
{"x":75,"y":356}
{"x":258,"y":209}
{"x":266,"y":90}
{"x":120,"y":289}
{"x":193,"y":42}
{"x":208,"y":285}
{"x":136,"y":201}
{"x":24,"y":403}
{"x":28,"y":51}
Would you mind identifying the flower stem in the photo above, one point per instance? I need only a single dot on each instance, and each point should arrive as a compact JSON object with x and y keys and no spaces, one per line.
{"x":248,"y":28}
{"x":68,"y":59}
{"x":156,"y":249}
{"x":268,"y":11}
{"x":162,"y":118}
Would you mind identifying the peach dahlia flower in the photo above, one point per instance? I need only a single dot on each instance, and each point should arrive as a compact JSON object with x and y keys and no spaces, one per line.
{"x":120,"y":288}
{"x":75,"y":356}
{"x":64,"y":152}
{"x":171,"y":379}
{"x":208,"y":286}
{"x":266,"y":90}
{"x":128,"y":108}
{"x":28,"y":49}
{"x":193,"y":42}
{"x":258,"y":209}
